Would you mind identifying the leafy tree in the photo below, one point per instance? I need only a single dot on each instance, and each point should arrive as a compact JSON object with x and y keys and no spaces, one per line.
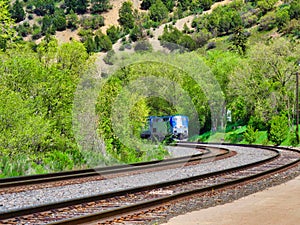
{"x":59,"y":21}
{"x":36,"y":32}
{"x":267,"y":22}
{"x":126,"y":18}
{"x":250,"y":135}
{"x":266,"y":5}
{"x":158,"y":11}
{"x":282,"y":17}
{"x":145,"y":5}
{"x":239,"y":41}
{"x":72,"y":20}
{"x":7,"y":32}
{"x":278,"y":130}
{"x":79,"y":6}
{"x":114,"y":33}
{"x":206,"y":4}
{"x":18,"y":12}
{"x":264,"y":84}
{"x":48,"y":25}
{"x":43,"y":7}
{"x":99,"y":6}
{"x":294,"y":10}
{"x":102,"y":42}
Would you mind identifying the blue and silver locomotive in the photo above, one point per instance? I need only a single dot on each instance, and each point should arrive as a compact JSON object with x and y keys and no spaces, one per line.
{"x":161,"y":127}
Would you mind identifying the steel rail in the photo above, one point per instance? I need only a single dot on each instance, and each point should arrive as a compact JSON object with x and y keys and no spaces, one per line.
{"x":162,"y":200}
{"x":66,"y":203}
{"x":75,"y":174}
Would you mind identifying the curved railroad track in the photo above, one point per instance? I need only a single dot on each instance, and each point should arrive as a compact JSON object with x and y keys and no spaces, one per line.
{"x":22,"y":183}
{"x":152,"y":199}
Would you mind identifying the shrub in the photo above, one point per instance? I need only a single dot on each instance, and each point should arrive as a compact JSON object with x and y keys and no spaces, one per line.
{"x":114,"y":33}
{"x":267,"y":22}
{"x":250,"y":134}
{"x":278,"y":129}
{"x":141,"y":46}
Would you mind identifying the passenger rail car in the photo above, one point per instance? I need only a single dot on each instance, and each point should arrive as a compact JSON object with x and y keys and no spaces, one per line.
{"x":161,"y":127}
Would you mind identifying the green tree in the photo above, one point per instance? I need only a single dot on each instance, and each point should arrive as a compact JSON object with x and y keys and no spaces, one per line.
{"x":59,"y":21}
{"x":264,"y":83}
{"x":278,"y":130}
{"x":114,"y":33}
{"x":7,"y":33}
{"x":266,"y":5}
{"x":79,"y":6}
{"x":239,"y":41}
{"x":205,"y":4}
{"x":126,"y":18}
{"x":102,"y":42}
{"x":72,"y":20}
{"x":294,"y":10}
{"x":145,"y":5}
{"x":158,"y":11}
{"x":43,"y":7}
{"x":250,"y":135}
{"x":18,"y":12}
{"x":282,"y":17}
{"x":99,"y":6}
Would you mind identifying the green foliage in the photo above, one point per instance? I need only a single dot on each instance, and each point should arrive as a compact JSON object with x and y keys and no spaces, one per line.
{"x":59,"y":21}
{"x":282,"y":17}
{"x":266,"y":5}
{"x":99,"y":6}
{"x":14,"y":167}
{"x":142,"y":46}
{"x":267,"y":22}
{"x":58,"y":161}
{"x":78,"y":6}
{"x":173,"y":39}
{"x":92,"y":22}
{"x":294,"y":10}
{"x":103,"y":43}
{"x":263,"y":84}
{"x":223,"y":20}
{"x":44,"y":7}
{"x":278,"y":129}
{"x":72,"y":20}
{"x":239,"y":41}
{"x":114,"y":33}
{"x":18,"y":12}
{"x":7,"y":32}
{"x":37,"y":89}
{"x":126,"y":18}
{"x":251,"y":134}
{"x":158,"y":11}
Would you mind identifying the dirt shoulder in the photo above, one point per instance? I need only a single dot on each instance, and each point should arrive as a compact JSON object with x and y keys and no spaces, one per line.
{"x":275,"y":206}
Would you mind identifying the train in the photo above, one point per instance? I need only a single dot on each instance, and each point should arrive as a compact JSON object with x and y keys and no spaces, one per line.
{"x":159,"y":128}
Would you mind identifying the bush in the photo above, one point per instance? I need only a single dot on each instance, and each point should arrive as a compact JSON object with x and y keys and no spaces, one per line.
{"x":108,"y":59}
{"x":278,"y":129}
{"x":114,"y":33}
{"x":267,"y":22}
{"x":250,"y":135}
{"x":142,"y":46}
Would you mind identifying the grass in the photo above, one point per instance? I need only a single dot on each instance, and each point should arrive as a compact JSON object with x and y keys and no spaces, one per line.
{"x":236,"y":136}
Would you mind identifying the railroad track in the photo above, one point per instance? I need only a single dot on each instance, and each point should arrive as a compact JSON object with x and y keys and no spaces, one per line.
{"x":105,"y":208}
{"x":40,"y":179}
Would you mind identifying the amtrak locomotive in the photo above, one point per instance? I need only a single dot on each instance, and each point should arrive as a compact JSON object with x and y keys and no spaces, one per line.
{"x":162,"y":127}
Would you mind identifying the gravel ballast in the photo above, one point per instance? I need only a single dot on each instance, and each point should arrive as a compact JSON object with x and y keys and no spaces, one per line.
{"x":14,"y":201}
